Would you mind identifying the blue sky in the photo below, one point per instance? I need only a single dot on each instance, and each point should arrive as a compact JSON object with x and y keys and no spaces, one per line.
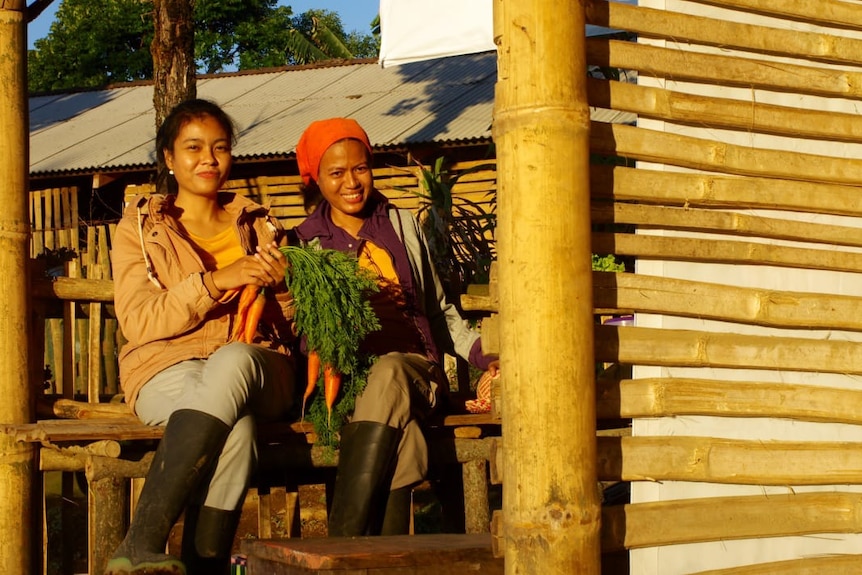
{"x":355,"y":14}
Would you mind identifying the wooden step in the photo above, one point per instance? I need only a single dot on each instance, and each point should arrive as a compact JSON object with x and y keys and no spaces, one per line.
{"x":433,"y":554}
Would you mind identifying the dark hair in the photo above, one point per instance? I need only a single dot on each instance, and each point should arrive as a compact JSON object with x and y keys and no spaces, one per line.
{"x":180,"y":115}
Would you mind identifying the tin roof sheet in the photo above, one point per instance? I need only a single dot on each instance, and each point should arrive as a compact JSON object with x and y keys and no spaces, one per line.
{"x":448,"y":100}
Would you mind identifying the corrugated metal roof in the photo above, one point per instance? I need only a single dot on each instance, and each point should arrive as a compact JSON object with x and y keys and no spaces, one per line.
{"x":444,"y":101}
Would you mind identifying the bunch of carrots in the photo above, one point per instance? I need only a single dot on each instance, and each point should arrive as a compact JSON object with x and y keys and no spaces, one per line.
{"x":252,"y":300}
{"x":332,"y":314}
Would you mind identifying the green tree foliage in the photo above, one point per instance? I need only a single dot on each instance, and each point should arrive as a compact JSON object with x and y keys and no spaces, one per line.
{"x":93,"y":43}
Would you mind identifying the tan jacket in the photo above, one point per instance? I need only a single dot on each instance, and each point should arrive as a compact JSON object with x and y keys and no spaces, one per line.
{"x":178,"y":319}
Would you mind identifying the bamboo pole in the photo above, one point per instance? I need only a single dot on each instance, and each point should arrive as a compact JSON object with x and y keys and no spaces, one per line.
{"x":736,"y":517}
{"x":690,"y":348}
{"x":725,"y":251}
{"x":732,"y":223}
{"x":630,"y":292}
{"x":711,"y":460}
{"x":715,"y":156}
{"x":754,"y":306}
{"x":678,"y":27}
{"x":834,"y":13}
{"x":742,"y":115}
{"x":685,"y":65}
{"x":551,"y":511}
{"x":17,"y":460}
{"x":825,"y":565}
{"x":675,"y":396}
{"x":711,"y":190}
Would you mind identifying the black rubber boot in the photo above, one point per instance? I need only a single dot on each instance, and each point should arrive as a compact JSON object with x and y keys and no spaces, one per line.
{"x":365,"y":461}
{"x":208,"y":535}
{"x":190,"y":445}
{"x":396,"y":519}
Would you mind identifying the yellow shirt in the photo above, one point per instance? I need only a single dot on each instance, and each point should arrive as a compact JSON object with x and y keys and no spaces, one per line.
{"x":397,"y":330}
{"x":219,"y":250}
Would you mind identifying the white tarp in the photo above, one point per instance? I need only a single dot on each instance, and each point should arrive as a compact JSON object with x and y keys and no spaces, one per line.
{"x":414,"y":30}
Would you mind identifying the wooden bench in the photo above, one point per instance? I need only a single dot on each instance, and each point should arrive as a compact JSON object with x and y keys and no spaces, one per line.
{"x":103,"y":440}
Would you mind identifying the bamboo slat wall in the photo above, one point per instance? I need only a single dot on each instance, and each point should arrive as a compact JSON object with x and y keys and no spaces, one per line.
{"x":749,"y":156}
{"x":712,"y":198}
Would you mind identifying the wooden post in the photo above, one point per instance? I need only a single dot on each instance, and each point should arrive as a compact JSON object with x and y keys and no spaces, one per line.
{"x":17,"y":460}
{"x":551,"y":508}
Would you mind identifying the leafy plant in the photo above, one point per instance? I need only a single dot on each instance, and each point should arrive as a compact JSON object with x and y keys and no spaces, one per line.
{"x":460,"y":232}
{"x":607,"y":263}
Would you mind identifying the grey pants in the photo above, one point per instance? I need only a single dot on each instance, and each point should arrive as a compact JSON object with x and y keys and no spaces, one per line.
{"x":401,"y":392}
{"x":239,"y":384}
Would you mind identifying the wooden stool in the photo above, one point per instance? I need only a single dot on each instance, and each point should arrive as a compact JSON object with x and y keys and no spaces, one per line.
{"x":438,"y":554}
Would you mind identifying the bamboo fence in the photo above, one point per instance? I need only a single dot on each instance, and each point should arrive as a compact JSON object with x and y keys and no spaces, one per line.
{"x":74,"y":335}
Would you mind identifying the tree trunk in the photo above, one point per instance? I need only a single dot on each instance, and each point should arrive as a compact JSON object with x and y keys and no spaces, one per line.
{"x":173,"y":55}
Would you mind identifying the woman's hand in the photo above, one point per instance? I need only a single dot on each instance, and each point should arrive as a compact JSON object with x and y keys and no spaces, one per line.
{"x":274,"y":264}
{"x":265,"y":268}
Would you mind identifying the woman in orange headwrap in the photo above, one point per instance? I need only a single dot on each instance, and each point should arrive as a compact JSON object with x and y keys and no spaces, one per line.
{"x":383,"y":453}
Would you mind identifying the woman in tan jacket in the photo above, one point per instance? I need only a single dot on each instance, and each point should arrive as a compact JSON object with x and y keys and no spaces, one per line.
{"x":177,"y":260}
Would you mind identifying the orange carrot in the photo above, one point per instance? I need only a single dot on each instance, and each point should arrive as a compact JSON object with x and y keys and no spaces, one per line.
{"x":249,"y":293}
{"x":331,"y":387}
{"x":255,"y":311}
{"x":313,"y":373}
{"x":228,"y":295}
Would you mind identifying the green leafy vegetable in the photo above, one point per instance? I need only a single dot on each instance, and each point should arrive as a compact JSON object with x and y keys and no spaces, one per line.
{"x":334,"y":315}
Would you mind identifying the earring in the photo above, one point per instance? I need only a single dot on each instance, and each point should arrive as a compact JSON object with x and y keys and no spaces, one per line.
{"x":171,"y":172}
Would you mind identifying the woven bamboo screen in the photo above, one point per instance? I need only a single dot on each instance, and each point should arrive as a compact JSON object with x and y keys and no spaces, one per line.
{"x":743,"y":215}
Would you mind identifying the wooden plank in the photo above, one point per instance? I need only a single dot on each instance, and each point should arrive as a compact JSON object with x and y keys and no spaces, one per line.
{"x":38,"y":223}
{"x":441,"y":554}
{"x":67,"y":430}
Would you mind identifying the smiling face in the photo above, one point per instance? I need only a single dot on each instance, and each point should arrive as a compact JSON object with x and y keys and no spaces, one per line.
{"x":201,"y":156}
{"x":346,"y":181}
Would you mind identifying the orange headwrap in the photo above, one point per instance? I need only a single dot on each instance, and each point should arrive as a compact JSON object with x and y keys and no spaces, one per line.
{"x":317,"y":138}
